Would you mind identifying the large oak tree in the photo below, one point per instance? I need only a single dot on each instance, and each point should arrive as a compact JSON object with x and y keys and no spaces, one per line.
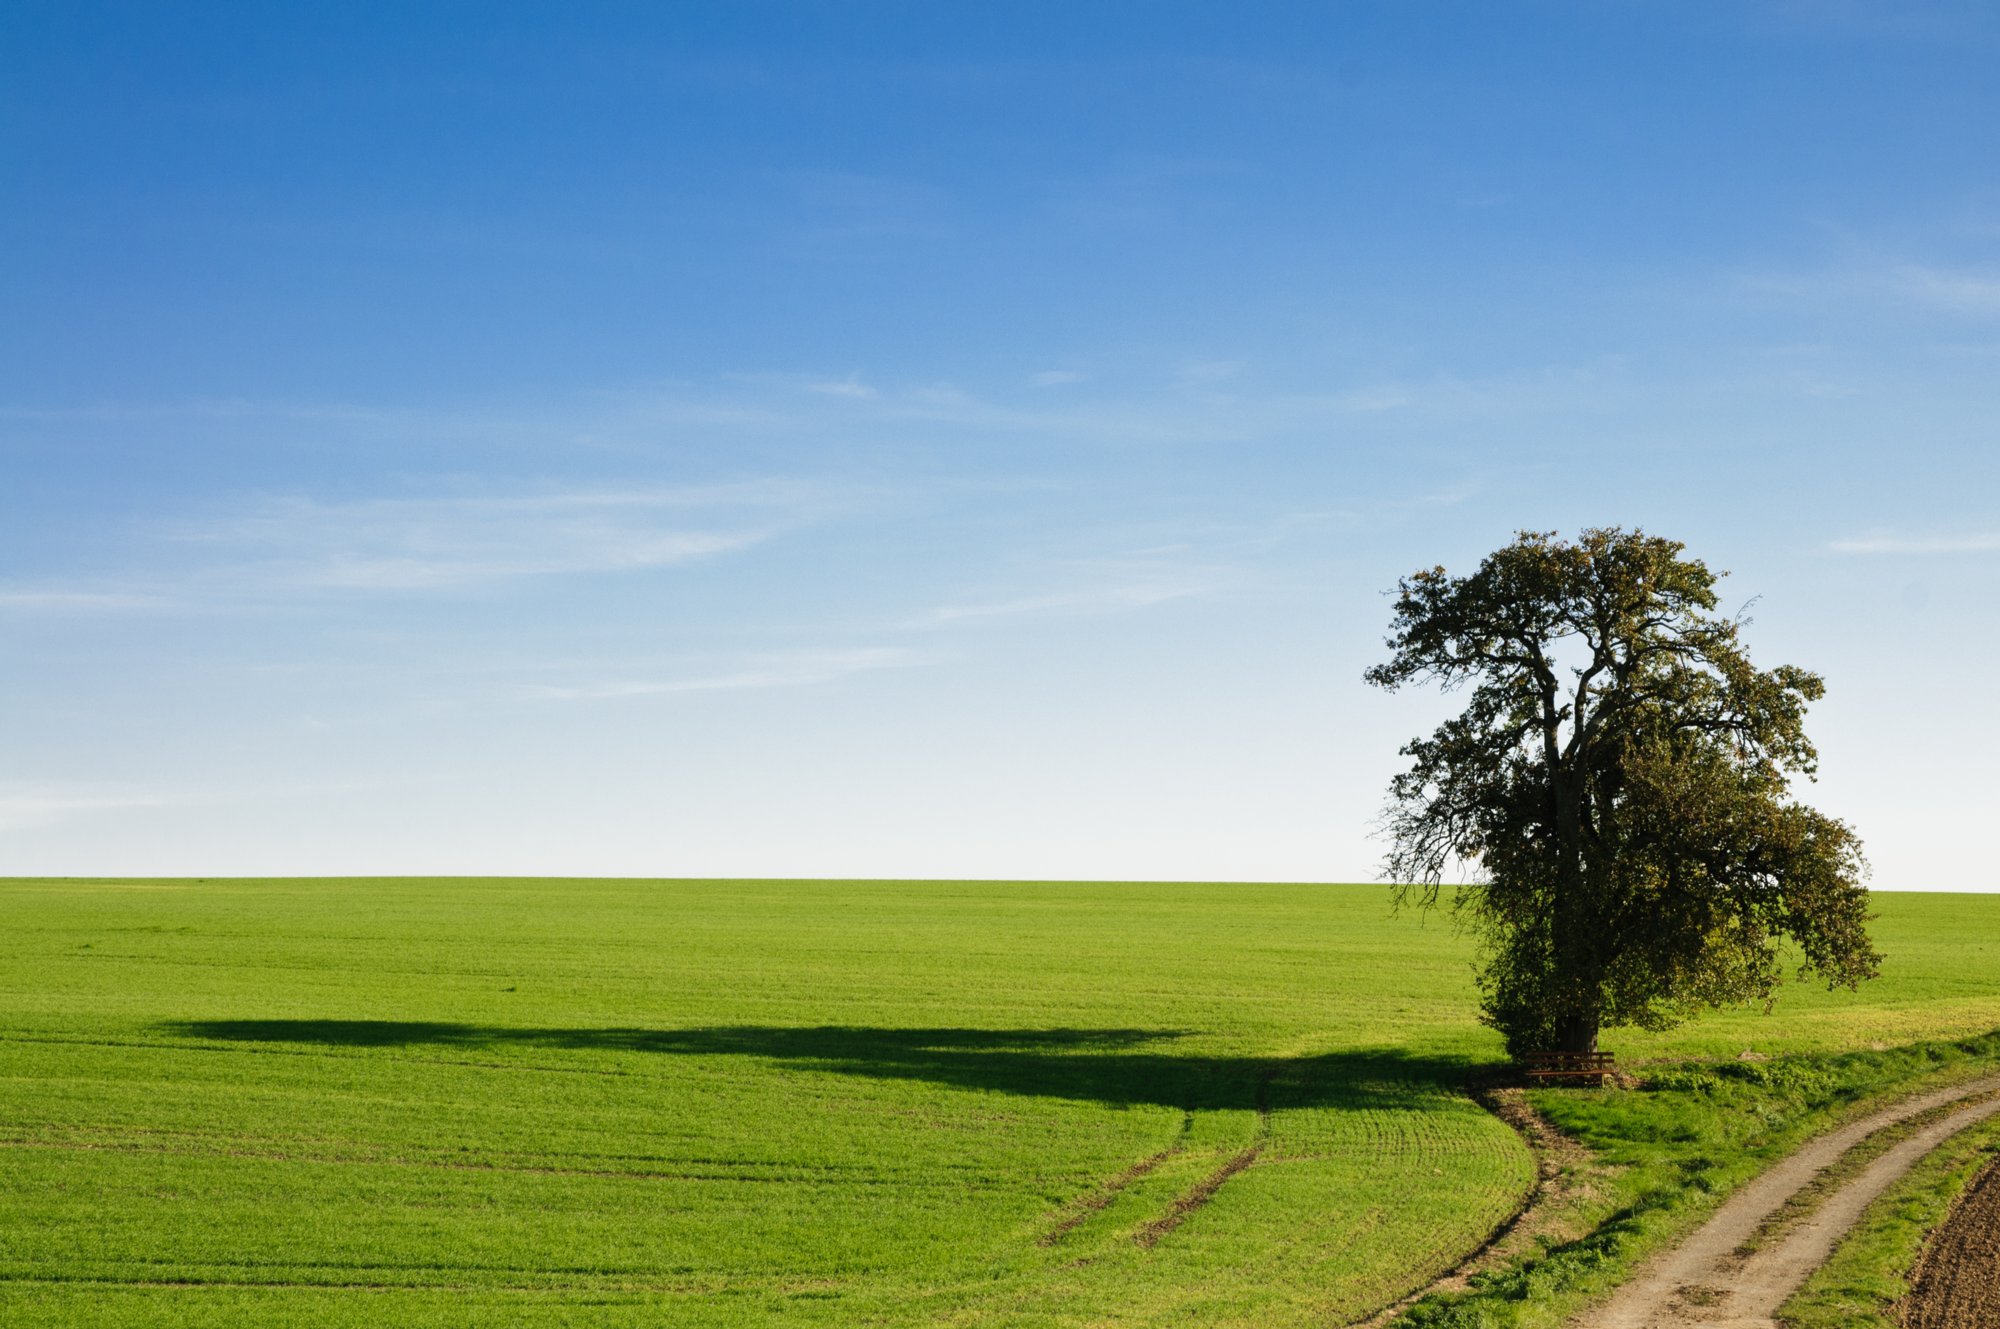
{"x":1616,"y":789}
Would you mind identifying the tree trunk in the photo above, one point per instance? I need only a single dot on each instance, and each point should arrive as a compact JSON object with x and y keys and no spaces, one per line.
{"x":1576,"y":1032}
{"x":1576,"y":931}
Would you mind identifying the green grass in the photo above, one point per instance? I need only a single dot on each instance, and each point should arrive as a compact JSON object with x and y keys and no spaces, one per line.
{"x":719,"y":1103}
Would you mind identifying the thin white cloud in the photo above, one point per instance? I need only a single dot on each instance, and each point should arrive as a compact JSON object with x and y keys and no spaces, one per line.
{"x":276,"y":548}
{"x":1137,"y":579}
{"x":851,"y":387}
{"x":1210,"y":371}
{"x":1199,"y":402}
{"x":1977,"y":543}
{"x":1203,"y":405}
{"x":24,"y":806}
{"x":1084,"y":600}
{"x":576,"y":552}
{"x":1966,"y":290}
{"x":27,"y":804}
{"x":1388,"y":397}
{"x":440,"y":543}
{"x":60,"y":601}
{"x":791,"y":670}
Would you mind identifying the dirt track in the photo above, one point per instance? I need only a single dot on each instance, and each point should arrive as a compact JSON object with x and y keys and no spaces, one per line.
{"x":1958,"y":1281}
{"x":1706,"y":1282}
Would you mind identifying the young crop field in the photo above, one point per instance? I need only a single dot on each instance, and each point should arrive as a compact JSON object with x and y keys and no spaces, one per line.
{"x":445,"y":1102}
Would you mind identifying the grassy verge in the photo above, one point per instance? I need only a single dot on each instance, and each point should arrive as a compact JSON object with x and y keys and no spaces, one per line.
{"x":1859,"y":1287}
{"x":1666,"y":1153}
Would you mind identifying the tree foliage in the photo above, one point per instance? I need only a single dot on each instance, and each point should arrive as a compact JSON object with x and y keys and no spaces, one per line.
{"x":1618,"y":780}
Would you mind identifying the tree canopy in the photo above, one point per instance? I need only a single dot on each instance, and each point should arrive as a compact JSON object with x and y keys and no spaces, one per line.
{"x":1618,"y":785}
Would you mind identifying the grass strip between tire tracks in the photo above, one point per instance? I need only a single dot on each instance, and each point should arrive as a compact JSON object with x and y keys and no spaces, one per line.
{"x":1852,"y":1164}
{"x":1666,"y":1153}
{"x":1863,"y":1285}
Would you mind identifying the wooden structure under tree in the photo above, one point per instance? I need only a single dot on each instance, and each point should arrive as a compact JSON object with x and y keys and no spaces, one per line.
{"x":1584,"y":1068}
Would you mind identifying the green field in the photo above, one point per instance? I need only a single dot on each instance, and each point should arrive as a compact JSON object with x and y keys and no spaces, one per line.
{"x":717,"y":1103}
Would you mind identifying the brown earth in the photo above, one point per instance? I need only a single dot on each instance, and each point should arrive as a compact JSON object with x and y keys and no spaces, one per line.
{"x":1957,"y":1282}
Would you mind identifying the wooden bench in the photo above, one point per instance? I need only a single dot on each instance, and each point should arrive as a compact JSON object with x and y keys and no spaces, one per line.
{"x":1587,"y":1068}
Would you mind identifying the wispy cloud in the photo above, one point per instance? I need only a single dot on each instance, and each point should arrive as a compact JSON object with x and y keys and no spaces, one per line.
{"x":1210,"y":371}
{"x":26,"y":805}
{"x":1972,"y":290}
{"x":1081,"y":600}
{"x":1182,"y":402}
{"x":1975,"y":543}
{"x":279,"y":547}
{"x":1956,"y":289}
{"x":1387,"y":397}
{"x":406,"y":543}
{"x":1137,"y":579}
{"x":67,"y":601}
{"x":448,"y":542}
{"x":787,"y":670}
{"x":850,"y":386}
{"x":1199,"y":403}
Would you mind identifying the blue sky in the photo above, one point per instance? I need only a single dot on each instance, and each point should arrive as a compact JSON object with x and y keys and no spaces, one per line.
{"x":938,"y":440}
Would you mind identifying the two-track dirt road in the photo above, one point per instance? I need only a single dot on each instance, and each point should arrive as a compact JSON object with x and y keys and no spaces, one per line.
{"x":1708,"y":1282}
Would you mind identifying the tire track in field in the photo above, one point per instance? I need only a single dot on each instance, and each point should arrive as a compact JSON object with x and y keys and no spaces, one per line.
{"x":1095,"y":1201}
{"x":1204,"y":1190}
{"x":1715,"y":1278}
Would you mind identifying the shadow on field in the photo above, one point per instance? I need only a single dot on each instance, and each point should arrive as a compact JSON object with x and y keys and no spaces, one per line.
{"x":1126,"y":1067}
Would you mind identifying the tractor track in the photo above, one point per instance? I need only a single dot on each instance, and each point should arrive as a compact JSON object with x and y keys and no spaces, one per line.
{"x":1722,"y":1276}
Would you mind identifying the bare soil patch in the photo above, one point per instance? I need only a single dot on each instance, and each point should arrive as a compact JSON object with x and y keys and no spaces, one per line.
{"x":1957,"y":1282}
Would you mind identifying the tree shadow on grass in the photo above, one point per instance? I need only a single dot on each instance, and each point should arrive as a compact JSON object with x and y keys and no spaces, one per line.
{"x":1121,"y":1067}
